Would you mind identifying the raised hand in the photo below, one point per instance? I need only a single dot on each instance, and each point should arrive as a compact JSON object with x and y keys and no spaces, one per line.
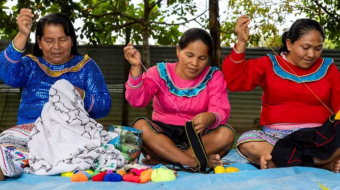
{"x":24,"y":21}
{"x":242,"y":29}
{"x":132,"y":55}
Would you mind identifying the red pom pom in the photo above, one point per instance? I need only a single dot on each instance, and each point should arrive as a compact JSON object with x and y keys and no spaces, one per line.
{"x":99,"y":177}
{"x":131,"y":178}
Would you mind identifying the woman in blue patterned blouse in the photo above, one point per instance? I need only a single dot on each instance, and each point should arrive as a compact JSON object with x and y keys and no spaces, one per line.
{"x":54,"y":57}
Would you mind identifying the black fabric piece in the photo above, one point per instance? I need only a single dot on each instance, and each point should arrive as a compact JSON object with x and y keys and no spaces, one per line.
{"x":300,"y":147}
{"x":196,"y":144}
{"x":174,"y":132}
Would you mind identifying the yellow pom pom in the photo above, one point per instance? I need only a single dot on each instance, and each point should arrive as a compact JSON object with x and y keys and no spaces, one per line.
{"x":231,"y":170}
{"x":89,"y":171}
{"x":67,"y":174}
{"x":219,"y":170}
{"x":337,"y":116}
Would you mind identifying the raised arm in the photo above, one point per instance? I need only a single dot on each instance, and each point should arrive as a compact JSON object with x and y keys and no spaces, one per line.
{"x":140,"y":88}
{"x":13,"y":70}
{"x":242,"y":75}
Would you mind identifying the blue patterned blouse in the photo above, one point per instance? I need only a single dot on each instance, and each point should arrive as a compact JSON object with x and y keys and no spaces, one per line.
{"x":36,"y":76}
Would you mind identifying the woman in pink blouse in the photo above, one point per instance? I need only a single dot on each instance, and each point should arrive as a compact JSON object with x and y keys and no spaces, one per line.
{"x":182,"y":91}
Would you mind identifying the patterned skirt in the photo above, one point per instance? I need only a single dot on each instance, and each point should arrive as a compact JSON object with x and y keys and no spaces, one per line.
{"x":271,"y":134}
{"x":13,"y":149}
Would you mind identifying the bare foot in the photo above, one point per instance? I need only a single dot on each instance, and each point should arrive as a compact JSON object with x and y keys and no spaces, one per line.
{"x":2,"y":177}
{"x":266,"y":161}
{"x":215,"y":160}
{"x":333,"y":166}
{"x":148,"y":160}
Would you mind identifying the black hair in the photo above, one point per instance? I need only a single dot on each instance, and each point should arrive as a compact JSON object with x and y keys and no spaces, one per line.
{"x":299,"y":28}
{"x":195,"y":34}
{"x":55,"y":19}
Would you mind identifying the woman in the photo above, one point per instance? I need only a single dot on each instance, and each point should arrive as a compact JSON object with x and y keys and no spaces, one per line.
{"x":55,"y":57}
{"x":189,"y":90}
{"x":294,"y":83}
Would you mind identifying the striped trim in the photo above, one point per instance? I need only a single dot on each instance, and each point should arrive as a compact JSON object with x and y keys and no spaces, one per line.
{"x":290,"y":126}
{"x":17,"y":49}
{"x":185,"y":92}
{"x":84,"y":94}
{"x":58,"y":73}
{"x":136,"y":86}
{"x":238,"y":52}
{"x":236,"y":61}
{"x":10,"y":60}
{"x":315,"y":76}
{"x":218,"y":120}
{"x":3,"y":159}
{"x":92,"y":103}
{"x":140,"y":74}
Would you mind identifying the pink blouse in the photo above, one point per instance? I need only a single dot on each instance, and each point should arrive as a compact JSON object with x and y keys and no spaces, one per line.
{"x":206,"y":93}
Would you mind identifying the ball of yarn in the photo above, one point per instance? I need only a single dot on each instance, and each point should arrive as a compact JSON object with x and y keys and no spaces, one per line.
{"x":67,"y":174}
{"x":113,"y":177}
{"x":162,"y":174}
{"x":89,"y":171}
{"x":145,"y":176}
{"x":79,"y":177}
{"x":219,"y":170}
{"x":137,"y":171}
{"x":121,"y":172}
{"x":109,"y":172}
{"x":131,"y":178}
{"x":85,"y":173}
{"x":99,"y":177}
{"x":96,"y":172}
{"x":231,"y":170}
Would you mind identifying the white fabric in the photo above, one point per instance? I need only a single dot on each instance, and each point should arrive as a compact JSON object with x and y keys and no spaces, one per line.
{"x":65,"y":138}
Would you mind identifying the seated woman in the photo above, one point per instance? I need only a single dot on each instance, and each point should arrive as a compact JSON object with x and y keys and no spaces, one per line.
{"x":298,"y":86}
{"x":188,"y":90}
{"x":55,"y":57}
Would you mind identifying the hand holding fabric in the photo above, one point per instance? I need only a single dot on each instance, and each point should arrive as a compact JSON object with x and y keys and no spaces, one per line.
{"x":203,"y":120}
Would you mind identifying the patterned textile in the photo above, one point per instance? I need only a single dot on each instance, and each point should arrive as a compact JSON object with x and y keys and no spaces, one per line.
{"x":289,"y":126}
{"x":301,"y":147}
{"x":36,"y":76}
{"x":13,"y":149}
{"x":270,"y":135}
{"x":65,"y":138}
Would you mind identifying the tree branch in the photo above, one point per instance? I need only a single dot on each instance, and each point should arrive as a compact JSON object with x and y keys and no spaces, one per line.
{"x":324,"y":9}
{"x":169,"y":24}
{"x":95,"y":6}
{"x":116,"y":13}
{"x":154,"y":4}
{"x":124,"y":25}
